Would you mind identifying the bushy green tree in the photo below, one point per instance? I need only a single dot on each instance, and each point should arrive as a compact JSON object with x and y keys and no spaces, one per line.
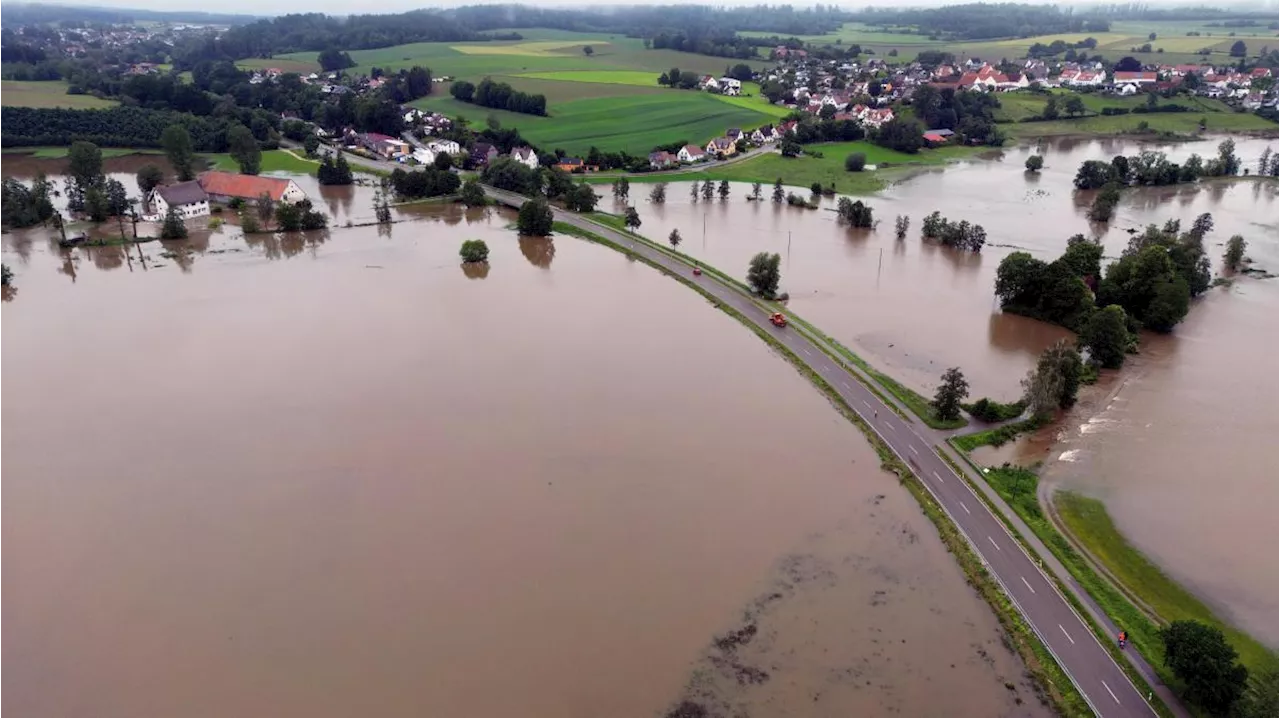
{"x":1201,"y":658}
{"x":1106,"y":335}
{"x":951,"y":392}
{"x":472,"y":194}
{"x":149,"y":177}
{"x":580,"y":198}
{"x":764,"y":274}
{"x":244,"y":149}
{"x":658,"y":193}
{"x":674,"y":238}
{"x":855,"y":162}
{"x":1034,"y":163}
{"x":631,"y":219}
{"x":474,"y":250}
{"x":1234,"y":254}
{"x":173,"y":227}
{"x":535,"y":218}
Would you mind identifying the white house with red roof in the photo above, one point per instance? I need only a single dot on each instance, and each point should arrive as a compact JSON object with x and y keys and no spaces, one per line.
{"x":1134,"y":78}
{"x":691,"y":153}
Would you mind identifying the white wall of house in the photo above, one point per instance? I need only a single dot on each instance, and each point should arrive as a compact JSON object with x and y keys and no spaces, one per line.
{"x":186,"y":211}
{"x":293,"y":193}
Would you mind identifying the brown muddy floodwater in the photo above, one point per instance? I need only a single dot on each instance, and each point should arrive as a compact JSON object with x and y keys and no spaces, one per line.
{"x":1185,"y":457}
{"x":342,"y":475}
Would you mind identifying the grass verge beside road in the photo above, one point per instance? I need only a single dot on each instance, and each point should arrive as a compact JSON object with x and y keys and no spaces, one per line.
{"x":1088,"y":523}
{"x":1043,"y":669}
{"x":272,"y":161}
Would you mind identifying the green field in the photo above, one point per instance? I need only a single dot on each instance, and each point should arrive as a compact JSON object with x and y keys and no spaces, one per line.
{"x":1015,"y":106}
{"x":1090,"y":525}
{"x":635,"y":123}
{"x":612,"y":83}
{"x":272,"y":161}
{"x":1182,"y":123}
{"x":801,"y":172}
{"x":1119,"y":41}
{"x":54,"y":153}
{"x":540,"y":51}
{"x":14,"y":93}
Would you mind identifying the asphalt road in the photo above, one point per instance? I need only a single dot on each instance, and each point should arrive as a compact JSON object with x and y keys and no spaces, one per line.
{"x":1103,"y":684}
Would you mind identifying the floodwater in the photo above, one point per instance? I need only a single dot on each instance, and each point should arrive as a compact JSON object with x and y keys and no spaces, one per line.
{"x":340,"y":474}
{"x":1185,"y":455}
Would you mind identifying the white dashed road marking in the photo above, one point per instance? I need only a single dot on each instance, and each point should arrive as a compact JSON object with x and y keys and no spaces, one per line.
{"x":966,"y":508}
{"x":1024,"y":582}
{"x":914,"y":450}
{"x":1068,"y":635}
{"x":1113,"y":693}
{"x":939,"y":478}
{"x":993,"y":543}
{"x":866,"y":403}
{"x":888,"y":426}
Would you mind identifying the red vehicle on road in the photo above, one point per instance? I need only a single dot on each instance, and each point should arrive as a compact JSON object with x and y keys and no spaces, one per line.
{"x":778,"y":319}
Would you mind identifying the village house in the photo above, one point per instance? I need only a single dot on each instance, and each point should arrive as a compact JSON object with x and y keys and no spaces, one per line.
{"x":734,"y":134}
{"x":722,"y":146}
{"x":571,"y":164}
{"x":1134,"y":78}
{"x":226,"y":186}
{"x":424,"y":155}
{"x":525,"y":156}
{"x":691,"y":153}
{"x":188,"y":199}
{"x":763,"y":135}
{"x":482,"y":153}
{"x":449,"y":147}
{"x":662,"y":159}
{"x":709,"y":83}
{"x":384,"y":145}
{"x":730,"y":86}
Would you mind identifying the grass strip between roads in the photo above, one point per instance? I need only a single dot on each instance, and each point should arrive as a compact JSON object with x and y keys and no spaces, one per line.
{"x":1087,"y":522}
{"x":1047,"y":675}
{"x":1054,"y":543}
{"x":994,"y":437}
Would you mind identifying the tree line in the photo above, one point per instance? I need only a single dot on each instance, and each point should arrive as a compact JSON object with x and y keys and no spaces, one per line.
{"x":1154,"y":168}
{"x":499,"y":96}
{"x":114,"y":127}
{"x":984,"y":21}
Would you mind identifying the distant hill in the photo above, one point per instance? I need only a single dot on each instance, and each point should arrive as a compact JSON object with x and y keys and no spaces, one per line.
{"x":13,"y":14}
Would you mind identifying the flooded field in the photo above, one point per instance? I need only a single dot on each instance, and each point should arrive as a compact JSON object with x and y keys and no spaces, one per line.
{"x":1185,"y":455}
{"x":341,"y":474}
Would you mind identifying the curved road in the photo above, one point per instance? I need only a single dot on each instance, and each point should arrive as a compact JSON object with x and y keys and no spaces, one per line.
{"x":1100,"y":680}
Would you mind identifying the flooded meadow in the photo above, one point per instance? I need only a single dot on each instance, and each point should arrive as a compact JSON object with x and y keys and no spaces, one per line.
{"x":340,"y":473}
{"x":1180,"y":444}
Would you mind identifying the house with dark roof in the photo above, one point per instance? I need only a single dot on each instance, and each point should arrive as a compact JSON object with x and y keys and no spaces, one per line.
{"x":482,"y":153}
{"x":226,"y":186}
{"x":662,"y":159}
{"x":188,"y":199}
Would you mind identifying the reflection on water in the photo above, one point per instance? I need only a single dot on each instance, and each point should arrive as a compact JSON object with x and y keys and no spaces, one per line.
{"x":475,"y":270}
{"x":355,"y":482}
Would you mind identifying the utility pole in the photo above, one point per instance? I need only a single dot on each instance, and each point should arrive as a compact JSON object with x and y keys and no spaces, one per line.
{"x":788,"y":248}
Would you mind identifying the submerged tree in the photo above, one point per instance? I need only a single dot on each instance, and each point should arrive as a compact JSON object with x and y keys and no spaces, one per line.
{"x":951,"y":392}
{"x":674,"y":238}
{"x":621,"y":188}
{"x":1235,"y":253}
{"x":632,"y":219}
{"x":778,"y":193}
{"x":474,"y":250}
{"x":708,"y":189}
{"x":901,"y":225}
{"x":723,"y":190}
{"x":755,"y":191}
{"x":173,"y":227}
{"x":658,"y":194}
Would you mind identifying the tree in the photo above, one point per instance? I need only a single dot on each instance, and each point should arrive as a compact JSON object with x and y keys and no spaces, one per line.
{"x":588,"y":50}
{"x":693,"y":192}
{"x":381,"y":208}
{"x":244,"y":149}
{"x":790,"y":148}
{"x":149,"y":177}
{"x":901,"y":135}
{"x":331,"y":59}
{"x":1055,"y":380}
{"x":266,"y":207}
{"x":708,"y":189}
{"x":952,"y":391}
{"x":855,"y":214}
{"x":178,"y":149}
{"x":249,"y":222}
{"x":855,"y":162}
{"x":622,"y":189}
{"x":580,"y":198}
{"x":763,"y":274}
{"x":755,"y":191}
{"x":117,"y":197}
{"x":1238,"y":49}
{"x":1235,"y":253}
{"x":632,"y":219}
{"x":1050,"y":111}
{"x":1201,"y":658}
{"x":535,"y":218}
{"x":658,"y":194}
{"x":462,"y":91}
{"x":96,"y":205}
{"x":1074,"y":106}
{"x":173,"y":228}
{"x":472,"y":194}
{"x":741,"y":72}
{"x":1034,"y":163}
{"x":674,"y":238}
{"x":778,"y":193}
{"x":901,"y":225}
{"x":310,"y":145}
{"x":442,"y":161}
{"x":1104,"y":204}
{"x":6,"y":275}
{"x":1095,"y":173}
{"x":723,"y":190}
{"x":84,"y":165}
{"x":1106,"y":335}
{"x":474,"y":250}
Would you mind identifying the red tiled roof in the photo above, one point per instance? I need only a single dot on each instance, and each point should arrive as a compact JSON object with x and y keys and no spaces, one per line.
{"x":1135,"y":76}
{"x":934,"y":138}
{"x":229,"y":184}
